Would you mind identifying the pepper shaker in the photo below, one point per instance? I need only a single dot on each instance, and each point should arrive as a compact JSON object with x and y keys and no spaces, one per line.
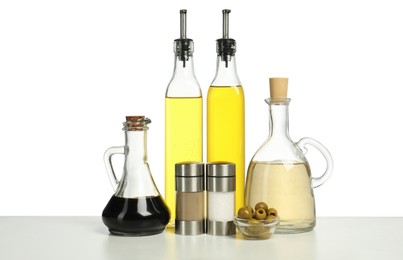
{"x":189,"y":186}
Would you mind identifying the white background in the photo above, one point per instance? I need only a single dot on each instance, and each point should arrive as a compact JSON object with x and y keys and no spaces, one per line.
{"x":70,"y":71}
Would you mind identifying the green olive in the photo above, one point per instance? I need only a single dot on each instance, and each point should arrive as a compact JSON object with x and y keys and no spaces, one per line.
{"x":254,"y":226}
{"x":261,"y":214}
{"x":244,"y":213}
{"x":261,"y":205}
{"x":270,"y":218}
{"x":254,"y":221}
{"x":250,"y":208}
{"x":271,"y":212}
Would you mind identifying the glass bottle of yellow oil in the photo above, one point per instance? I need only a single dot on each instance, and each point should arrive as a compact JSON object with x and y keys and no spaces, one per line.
{"x":183,"y":115}
{"x":225,"y":112}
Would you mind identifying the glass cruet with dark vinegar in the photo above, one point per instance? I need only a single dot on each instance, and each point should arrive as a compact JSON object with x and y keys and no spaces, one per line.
{"x":136,"y":208}
{"x":279,"y":173}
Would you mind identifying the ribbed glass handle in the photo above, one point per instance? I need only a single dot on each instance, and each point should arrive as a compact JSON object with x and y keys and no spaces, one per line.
{"x":108,"y":164}
{"x":318,"y":181}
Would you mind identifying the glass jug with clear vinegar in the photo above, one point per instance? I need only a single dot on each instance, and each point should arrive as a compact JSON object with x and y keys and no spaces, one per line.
{"x":279,"y":173}
{"x":136,"y":208}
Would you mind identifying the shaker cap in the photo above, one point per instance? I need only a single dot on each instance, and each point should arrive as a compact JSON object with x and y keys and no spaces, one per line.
{"x":189,"y":177}
{"x":220,"y":169}
{"x":221,"y":177}
{"x":278,"y":87}
{"x":189,"y":169}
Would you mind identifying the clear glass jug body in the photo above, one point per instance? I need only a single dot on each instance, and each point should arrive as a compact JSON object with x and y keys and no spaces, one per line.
{"x":136,"y":208}
{"x":279,"y":174}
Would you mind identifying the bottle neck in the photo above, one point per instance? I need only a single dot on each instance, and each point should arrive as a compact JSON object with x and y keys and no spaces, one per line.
{"x":136,"y":180}
{"x":136,"y":146}
{"x":278,"y":120}
{"x":226,"y":73}
{"x":183,"y":82}
{"x":184,"y":68}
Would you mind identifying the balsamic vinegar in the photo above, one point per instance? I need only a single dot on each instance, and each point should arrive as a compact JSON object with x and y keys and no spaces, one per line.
{"x":136,"y":217}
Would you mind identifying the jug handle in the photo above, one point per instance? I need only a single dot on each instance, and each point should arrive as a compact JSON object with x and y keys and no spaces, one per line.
{"x":318,"y":181}
{"x":108,"y":163}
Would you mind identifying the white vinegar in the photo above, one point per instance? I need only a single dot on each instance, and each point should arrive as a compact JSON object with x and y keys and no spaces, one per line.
{"x":285,"y":187}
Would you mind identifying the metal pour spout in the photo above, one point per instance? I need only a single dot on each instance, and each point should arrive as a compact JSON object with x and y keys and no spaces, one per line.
{"x":183,"y":23}
{"x":183,"y":47}
{"x":225,"y":23}
{"x":226,"y":47}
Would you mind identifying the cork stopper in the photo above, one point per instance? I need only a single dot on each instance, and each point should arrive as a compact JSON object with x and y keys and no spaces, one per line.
{"x":134,"y":118}
{"x":278,"y":87}
{"x":136,"y":123}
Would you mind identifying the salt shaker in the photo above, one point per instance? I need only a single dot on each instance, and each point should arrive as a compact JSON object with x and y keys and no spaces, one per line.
{"x":189,"y":186}
{"x":220,"y":198}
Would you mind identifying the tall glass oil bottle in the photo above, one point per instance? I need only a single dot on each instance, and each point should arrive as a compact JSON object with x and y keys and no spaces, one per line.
{"x":225,"y":112}
{"x":183,"y":114}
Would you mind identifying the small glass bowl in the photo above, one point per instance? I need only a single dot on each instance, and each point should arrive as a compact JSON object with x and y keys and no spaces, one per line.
{"x":256,"y":229}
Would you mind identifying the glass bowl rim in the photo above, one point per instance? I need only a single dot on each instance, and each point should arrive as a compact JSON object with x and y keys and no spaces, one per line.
{"x":244,"y":222}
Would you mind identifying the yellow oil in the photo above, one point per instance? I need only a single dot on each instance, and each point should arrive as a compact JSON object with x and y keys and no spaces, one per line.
{"x":285,"y":186}
{"x":183,"y":140}
{"x":226,"y":131}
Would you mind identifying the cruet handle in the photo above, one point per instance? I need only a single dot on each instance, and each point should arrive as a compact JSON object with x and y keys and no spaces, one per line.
{"x":108,"y":163}
{"x":318,"y":181}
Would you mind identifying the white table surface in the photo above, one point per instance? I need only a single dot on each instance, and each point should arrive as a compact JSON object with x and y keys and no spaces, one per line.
{"x":76,"y":238}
